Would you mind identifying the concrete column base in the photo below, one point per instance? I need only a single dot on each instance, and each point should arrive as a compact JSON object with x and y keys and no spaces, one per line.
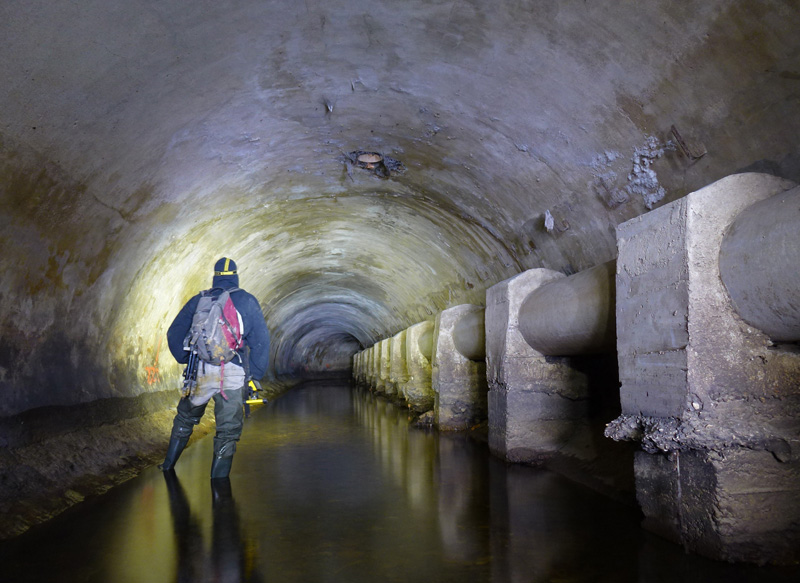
{"x":398,"y":375}
{"x":360,"y":368}
{"x":536,"y":404}
{"x":459,"y":384}
{"x":547,"y":414}
{"x":714,"y":402}
{"x":379,"y":371}
{"x":384,"y":383}
{"x":417,"y":389}
{"x":734,"y":504}
{"x":372,"y":368}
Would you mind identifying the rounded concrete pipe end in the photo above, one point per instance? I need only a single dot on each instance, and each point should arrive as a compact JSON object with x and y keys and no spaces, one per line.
{"x":758,"y":261}
{"x":469,"y":335}
{"x":425,"y":343}
{"x":574,"y":315}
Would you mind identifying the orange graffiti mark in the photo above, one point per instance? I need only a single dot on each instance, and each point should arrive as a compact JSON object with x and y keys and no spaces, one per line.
{"x":153,"y":375}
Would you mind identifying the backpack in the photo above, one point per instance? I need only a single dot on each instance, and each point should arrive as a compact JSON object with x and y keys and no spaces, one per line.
{"x":216,"y":328}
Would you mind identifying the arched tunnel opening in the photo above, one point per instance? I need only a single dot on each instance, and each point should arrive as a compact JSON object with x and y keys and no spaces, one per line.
{"x":369,"y":170}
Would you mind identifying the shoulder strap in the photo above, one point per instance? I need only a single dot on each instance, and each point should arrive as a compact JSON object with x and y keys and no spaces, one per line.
{"x":221,"y":290}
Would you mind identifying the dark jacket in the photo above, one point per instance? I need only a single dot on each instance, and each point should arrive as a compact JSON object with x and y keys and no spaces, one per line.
{"x":256,"y":334}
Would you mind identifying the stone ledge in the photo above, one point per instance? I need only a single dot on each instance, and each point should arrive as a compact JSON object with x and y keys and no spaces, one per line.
{"x":47,"y":466}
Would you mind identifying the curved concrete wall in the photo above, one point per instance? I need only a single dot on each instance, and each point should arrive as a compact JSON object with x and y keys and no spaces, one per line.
{"x":140,"y":142}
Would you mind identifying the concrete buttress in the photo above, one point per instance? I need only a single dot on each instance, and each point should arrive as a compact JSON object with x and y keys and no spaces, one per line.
{"x":713,"y":401}
{"x":534,"y":400}
{"x":419,"y":346}
{"x":384,"y":362}
{"x":459,"y":384}
{"x":398,"y":373}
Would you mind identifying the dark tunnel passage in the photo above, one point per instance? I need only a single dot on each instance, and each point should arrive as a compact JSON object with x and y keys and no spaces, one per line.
{"x":367,"y":166}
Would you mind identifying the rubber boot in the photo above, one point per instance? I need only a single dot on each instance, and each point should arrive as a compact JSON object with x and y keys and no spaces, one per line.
{"x":174,"y":449}
{"x":221,"y":467}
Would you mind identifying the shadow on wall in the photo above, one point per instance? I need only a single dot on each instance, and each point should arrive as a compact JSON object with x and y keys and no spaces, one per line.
{"x":49,"y":369}
{"x":54,"y":457}
{"x":787,"y":167}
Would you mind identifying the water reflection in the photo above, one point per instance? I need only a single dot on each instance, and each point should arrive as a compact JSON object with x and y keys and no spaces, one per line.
{"x":228,"y":560}
{"x":335,"y":485}
{"x":189,"y":537}
{"x":431,"y":472}
{"x":511,"y":523}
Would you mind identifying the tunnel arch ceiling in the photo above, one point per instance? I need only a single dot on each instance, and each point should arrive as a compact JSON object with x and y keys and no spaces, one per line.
{"x":333,"y":267}
{"x":140,"y":140}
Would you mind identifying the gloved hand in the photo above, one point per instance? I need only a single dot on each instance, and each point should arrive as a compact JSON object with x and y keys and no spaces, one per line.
{"x":254,"y":385}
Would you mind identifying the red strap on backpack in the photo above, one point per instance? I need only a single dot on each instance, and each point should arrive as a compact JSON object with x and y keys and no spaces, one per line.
{"x":233,"y":335}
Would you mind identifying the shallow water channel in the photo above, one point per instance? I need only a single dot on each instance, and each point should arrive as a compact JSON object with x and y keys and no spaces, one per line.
{"x":332,"y":484}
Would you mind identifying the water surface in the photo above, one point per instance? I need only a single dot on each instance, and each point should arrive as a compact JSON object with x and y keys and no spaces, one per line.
{"x":332,"y":485}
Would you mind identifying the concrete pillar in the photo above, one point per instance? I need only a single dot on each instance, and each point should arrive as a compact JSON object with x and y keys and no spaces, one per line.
{"x":714,"y":404}
{"x":386,"y":368}
{"x":377,"y":386}
{"x":535,"y":401}
{"x":419,"y":348}
{"x":362,"y":367}
{"x":374,"y":359}
{"x":355,"y":368}
{"x":459,"y":384}
{"x":374,"y":363}
{"x":384,"y":360}
{"x":362,"y":359}
{"x":398,"y":373}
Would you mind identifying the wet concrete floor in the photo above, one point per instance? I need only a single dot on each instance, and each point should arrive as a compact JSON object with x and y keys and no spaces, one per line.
{"x":332,"y":485}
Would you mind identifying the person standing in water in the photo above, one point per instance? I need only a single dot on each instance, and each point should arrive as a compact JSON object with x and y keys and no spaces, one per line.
{"x":223,"y":378}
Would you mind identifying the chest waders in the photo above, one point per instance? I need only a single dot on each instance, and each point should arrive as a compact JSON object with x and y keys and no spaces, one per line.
{"x":229,"y":415}
{"x":229,"y":418}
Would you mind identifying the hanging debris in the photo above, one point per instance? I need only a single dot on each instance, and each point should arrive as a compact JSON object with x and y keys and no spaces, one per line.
{"x":605,"y":179}
{"x":642,"y":179}
{"x":692,"y":150}
{"x":549,"y":222}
